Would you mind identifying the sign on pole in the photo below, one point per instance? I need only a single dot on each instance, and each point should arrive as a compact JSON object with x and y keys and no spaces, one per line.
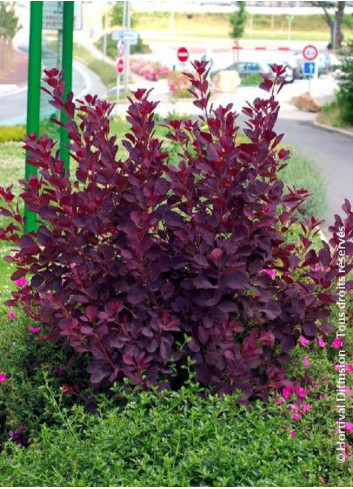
{"x":309,"y":67}
{"x":126,"y":36}
{"x":53,"y":13}
{"x":183,"y":54}
{"x":310,"y":52}
{"x":120,"y":65}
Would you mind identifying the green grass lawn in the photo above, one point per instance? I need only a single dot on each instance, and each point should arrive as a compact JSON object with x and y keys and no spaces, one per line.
{"x":330,"y":115}
{"x":105,"y":71}
{"x":199,"y":26}
{"x":11,"y":170}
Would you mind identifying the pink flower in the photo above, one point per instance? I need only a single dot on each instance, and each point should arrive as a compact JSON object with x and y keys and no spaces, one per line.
{"x":349,"y":426}
{"x":323,"y":397}
{"x":317,"y":268}
{"x":21,"y":282}
{"x":292,"y":433}
{"x":279,"y":401}
{"x":301,"y":392}
{"x":287,"y":392}
{"x":348,"y":368}
{"x":11,"y":315}
{"x":296,"y":417}
{"x":337,"y":343}
{"x":270,"y":271}
{"x":321,"y":343}
{"x":306,"y":407}
{"x":72,"y":265}
{"x":306,"y":362}
{"x":324,"y":480}
{"x":34,"y":330}
{"x":2,"y":377}
{"x":303,"y":341}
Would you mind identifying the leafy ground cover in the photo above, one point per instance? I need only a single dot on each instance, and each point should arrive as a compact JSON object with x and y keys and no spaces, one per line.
{"x":178,"y":439}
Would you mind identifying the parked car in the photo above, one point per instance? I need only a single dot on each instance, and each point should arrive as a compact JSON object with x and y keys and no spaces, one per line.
{"x":245,"y":68}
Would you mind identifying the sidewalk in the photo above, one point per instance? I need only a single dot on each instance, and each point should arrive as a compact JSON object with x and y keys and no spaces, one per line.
{"x":16,"y":72}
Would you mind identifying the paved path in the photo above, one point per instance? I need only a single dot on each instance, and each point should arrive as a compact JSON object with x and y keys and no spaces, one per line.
{"x":331,"y":152}
{"x":13,"y":106}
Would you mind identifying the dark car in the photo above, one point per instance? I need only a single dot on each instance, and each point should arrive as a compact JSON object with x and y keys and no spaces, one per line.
{"x":245,"y":68}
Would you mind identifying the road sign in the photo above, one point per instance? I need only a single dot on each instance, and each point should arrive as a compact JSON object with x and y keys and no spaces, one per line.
{"x":120,"y":65}
{"x":309,"y":67}
{"x":127,"y":36}
{"x":310,"y":52}
{"x":53,"y":15}
{"x":183,"y":54}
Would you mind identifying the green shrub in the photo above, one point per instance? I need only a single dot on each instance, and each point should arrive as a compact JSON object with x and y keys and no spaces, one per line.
{"x":252,"y":79}
{"x":18,"y":133}
{"x":12,"y":133}
{"x":301,"y":172}
{"x":28,"y":363}
{"x":177,"y":439}
{"x":139,"y":48}
{"x":345,"y":82}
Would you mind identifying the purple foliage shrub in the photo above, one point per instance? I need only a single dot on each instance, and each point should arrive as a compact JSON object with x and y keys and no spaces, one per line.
{"x":142,"y":264}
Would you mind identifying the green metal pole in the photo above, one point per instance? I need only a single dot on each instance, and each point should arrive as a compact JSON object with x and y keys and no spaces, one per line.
{"x":33,"y":93}
{"x":67,"y":52}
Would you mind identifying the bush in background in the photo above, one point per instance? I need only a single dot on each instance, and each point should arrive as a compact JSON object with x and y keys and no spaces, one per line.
{"x":345,"y":82}
{"x":179,"y":84}
{"x":12,"y":133}
{"x":139,"y":48}
{"x":149,"y":69}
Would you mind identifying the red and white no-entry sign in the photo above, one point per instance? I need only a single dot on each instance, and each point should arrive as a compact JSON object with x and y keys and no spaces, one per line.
{"x":183,"y":54}
{"x":310,"y":52}
{"x":120,"y":65}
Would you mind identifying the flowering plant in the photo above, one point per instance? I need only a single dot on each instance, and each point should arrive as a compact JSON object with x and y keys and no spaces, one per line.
{"x":144,"y":264}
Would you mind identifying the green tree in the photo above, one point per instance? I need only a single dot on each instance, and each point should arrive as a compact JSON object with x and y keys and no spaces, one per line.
{"x":345,"y":82}
{"x":334,"y":21}
{"x":237,"y":20}
{"x":9,"y":22}
{"x":117,"y":15}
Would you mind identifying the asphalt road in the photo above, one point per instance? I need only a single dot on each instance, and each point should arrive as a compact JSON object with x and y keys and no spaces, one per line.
{"x":331,"y":152}
{"x":13,"y":106}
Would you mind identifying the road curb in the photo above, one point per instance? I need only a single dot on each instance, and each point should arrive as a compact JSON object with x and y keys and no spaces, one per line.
{"x":344,"y":132}
{"x":13,"y":91}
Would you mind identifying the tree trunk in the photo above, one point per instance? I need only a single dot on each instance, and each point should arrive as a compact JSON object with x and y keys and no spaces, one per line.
{"x":338,"y":24}
{"x":335,"y":24}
